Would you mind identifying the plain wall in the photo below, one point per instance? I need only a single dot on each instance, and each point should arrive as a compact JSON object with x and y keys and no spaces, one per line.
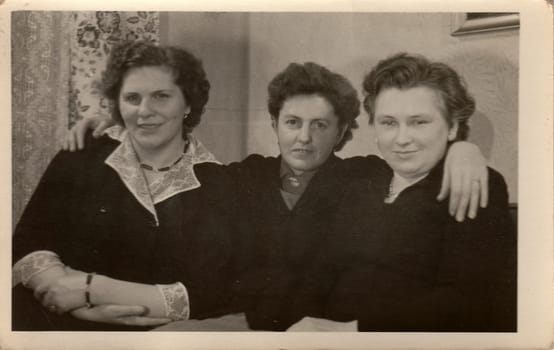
{"x":243,"y":51}
{"x":352,"y":43}
{"x":221,"y":41}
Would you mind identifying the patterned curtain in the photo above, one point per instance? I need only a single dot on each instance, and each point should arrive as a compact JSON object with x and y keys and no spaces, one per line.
{"x":40,"y":81}
{"x":93,"y":36}
{"x":56,"y":59}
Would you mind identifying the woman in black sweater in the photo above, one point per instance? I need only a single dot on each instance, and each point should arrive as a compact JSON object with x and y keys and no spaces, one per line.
{"x":400,"y":261}
{"x":142,"y":217}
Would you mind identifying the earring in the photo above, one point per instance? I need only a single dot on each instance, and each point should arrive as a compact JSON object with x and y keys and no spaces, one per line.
{"x":186,"y":115}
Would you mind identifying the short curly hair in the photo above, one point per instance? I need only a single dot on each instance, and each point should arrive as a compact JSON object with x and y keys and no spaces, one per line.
{"x":312,"y":78}
{"x":403,"y":71}
{"x":188,"y":73}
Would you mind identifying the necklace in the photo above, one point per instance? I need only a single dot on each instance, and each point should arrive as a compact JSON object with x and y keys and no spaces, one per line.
{"x":165,"y":168}
{"x":162,"y":169}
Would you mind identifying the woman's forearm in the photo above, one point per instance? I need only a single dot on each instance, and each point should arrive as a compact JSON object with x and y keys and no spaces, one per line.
{"x":106,"y":290}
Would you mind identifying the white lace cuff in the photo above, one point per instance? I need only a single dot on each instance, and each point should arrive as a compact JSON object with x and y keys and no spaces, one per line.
{"x":32,"y":264}
{"x":176,"y":300}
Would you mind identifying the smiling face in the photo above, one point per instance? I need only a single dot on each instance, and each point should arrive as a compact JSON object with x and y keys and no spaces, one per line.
{"x":412,"y":132}
{"x":307,"y":131}
{"x":152,"y":108}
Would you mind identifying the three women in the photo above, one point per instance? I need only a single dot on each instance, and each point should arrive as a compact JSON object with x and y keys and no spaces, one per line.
{"x":287,"y":202}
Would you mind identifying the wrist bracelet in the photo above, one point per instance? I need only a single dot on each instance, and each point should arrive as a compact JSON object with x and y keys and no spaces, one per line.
{"x":87,"y":289}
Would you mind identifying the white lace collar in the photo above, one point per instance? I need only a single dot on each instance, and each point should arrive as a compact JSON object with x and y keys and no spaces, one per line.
{"x":179,"y":178}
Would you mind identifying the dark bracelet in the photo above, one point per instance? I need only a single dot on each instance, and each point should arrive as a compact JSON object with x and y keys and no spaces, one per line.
{"x":87,"y":289}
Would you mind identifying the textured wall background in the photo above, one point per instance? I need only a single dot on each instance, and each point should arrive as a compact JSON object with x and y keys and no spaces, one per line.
{"x":221,"y":41}
{"x":243,"y":51}
{"x":352,"y":43}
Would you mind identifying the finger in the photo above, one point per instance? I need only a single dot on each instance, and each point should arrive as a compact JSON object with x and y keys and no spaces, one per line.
{"x":71,"y":140}
{"x":110,"y":312}
{"x":54,"y":302}
{"x":85,"y":313}
{"x":143,"y":321}
{"x":60,"y":310}
{"x":484,"y":184}
{"x":463,"y":202}
{"x":444,"y":185}
{"x":107,"y":314}
{"x":455,"y":193}
{"x":474,"y":200}
{"x":79,"y":134}
{"x":103,"y":125}
{"x":47,"y":300}
{"x":67,"y":146}
{"x":65,"y":303}
{"x":40,"y":291}
{"x":125,"y":310}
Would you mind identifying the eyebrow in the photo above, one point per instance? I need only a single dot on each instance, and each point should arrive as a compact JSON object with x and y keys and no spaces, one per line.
{"x":152,"y":92}
{"x":419,"y":115}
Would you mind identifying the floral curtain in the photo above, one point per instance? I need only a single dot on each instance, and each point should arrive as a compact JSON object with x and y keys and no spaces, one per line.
{"x":56,"y":59}
{"x":93,"y":36}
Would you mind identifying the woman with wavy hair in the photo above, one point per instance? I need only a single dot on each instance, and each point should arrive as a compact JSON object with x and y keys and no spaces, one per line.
{"x":400,"y":262}
{"x":141,"y":217}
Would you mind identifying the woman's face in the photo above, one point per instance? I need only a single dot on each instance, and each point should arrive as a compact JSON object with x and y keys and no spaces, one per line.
{"x":152,"y":107}
{"x":307,"y":131}
{"x":412,"y":133}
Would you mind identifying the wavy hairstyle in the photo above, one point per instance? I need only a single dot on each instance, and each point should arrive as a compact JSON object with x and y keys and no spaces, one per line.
{"x":403,"y":71}
{"x":310,"y":78}
{"x":187,"y":70}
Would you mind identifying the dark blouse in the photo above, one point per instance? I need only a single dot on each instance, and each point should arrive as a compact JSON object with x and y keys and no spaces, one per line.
{"x":409,"y":266}
{"x":278,"y":244}
{"x":82,"y":211}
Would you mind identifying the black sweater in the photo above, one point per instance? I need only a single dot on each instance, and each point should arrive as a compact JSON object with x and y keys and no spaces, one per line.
{"x":82,"y":211}
{"x":279,"y":245}
{"x":409,"y":266}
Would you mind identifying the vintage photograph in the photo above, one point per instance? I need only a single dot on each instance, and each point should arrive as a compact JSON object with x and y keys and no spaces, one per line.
{"x":180,"y":171}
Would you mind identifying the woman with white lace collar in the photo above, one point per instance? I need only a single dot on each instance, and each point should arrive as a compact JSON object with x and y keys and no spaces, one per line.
{"x":101,"y":227}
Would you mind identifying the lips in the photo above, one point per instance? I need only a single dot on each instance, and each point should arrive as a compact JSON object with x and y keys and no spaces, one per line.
{"x":404,"y":154}
{"x":149,"y":126}
{"x":302,"y":151}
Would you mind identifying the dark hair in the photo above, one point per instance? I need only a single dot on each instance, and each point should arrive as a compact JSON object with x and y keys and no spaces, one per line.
{"x":404,"y":71}
{"x":188,"y":72}
{"x":311,"y":78}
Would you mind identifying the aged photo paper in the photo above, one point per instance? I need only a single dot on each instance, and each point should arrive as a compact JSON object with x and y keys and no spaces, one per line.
{"x":504,"y":49}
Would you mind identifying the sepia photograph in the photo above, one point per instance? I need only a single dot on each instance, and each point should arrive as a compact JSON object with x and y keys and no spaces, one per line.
{"x":204,"y":178}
